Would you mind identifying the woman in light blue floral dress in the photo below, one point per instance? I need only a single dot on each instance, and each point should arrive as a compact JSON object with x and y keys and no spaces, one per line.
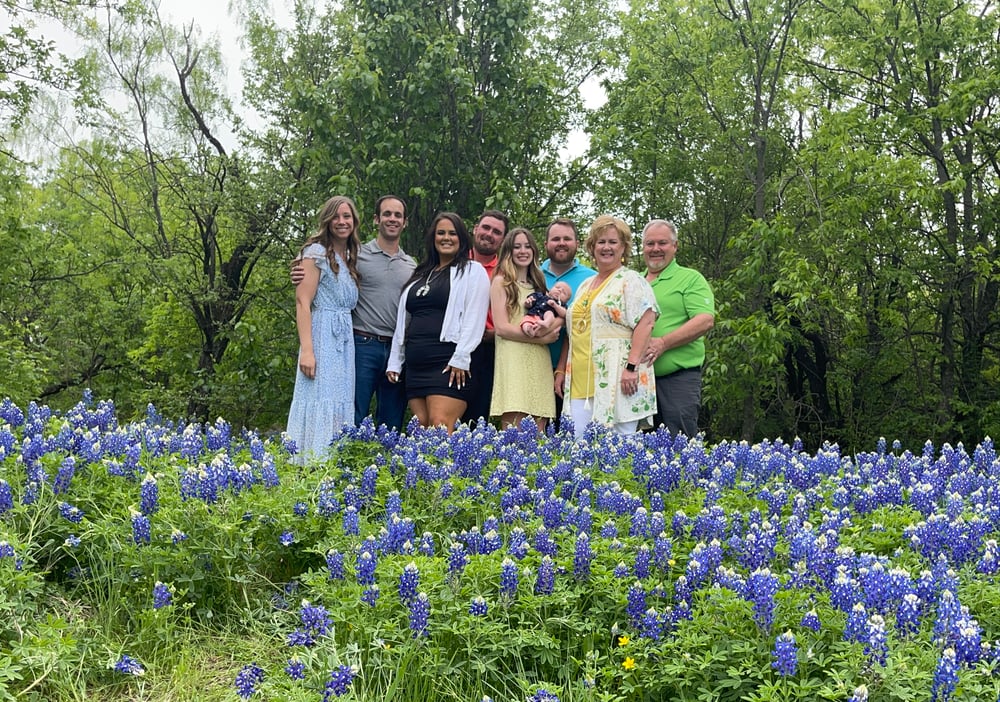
{"x":324,"y":384}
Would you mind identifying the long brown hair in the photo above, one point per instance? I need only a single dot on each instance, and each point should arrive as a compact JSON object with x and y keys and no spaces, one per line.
{"x":506,"y":267}
{"x":324,"y":236}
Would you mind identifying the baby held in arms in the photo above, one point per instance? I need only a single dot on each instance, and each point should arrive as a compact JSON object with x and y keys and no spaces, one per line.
{"x":542,"y":307}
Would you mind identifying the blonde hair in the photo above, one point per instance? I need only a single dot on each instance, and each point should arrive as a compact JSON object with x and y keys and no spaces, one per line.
{"x":506,"y":267}
{"x":605,"y":222}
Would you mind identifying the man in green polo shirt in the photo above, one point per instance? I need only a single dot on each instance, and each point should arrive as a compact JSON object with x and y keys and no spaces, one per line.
{"x":677,"y":347}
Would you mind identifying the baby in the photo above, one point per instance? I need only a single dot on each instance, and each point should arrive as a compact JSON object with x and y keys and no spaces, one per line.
{"x":542,"y":307}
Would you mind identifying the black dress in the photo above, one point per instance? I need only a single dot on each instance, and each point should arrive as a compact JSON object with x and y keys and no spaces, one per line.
{"x":426,"y":355}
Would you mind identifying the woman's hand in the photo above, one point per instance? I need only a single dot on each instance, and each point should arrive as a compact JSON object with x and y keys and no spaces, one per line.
{"x":630,"y":382}
{"x":307,"y":364}
{"x":459,"y":377}
{"x":392,"y":376}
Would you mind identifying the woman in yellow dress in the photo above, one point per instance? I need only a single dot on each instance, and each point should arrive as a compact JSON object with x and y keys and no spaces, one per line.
{"x":522,"y":385}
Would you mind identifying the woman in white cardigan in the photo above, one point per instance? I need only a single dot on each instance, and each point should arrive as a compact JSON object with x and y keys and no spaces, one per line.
{"x":441,"y":317}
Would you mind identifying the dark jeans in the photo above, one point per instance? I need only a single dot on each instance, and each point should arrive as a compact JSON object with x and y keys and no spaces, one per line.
{"x":678,"y":399}
{"x":370,"y":359}
{"x":481,"y":369}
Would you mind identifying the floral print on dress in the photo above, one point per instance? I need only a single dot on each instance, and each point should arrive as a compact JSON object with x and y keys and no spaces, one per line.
{"x":614,"y":312}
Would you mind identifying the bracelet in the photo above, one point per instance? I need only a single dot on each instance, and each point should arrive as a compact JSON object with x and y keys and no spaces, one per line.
{"x":557,"y":372}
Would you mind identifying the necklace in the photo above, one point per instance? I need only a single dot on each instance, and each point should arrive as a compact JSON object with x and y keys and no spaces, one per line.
{"x":426,"y":287}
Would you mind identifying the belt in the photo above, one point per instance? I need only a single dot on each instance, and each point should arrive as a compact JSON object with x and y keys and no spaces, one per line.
{"x":374,"y":337}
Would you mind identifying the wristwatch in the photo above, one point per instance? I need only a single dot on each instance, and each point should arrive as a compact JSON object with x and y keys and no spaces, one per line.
{"x":630,"y":367}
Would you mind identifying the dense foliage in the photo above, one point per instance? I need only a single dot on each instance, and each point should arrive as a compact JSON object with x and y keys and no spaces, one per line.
{"x":832,"y":167}
{"x":156,"y":560}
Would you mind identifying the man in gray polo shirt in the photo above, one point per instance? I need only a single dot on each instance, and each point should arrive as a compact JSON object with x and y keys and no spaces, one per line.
{"x":384,"y":269}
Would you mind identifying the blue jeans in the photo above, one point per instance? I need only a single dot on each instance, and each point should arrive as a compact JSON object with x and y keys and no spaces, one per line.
{"x":370,"y":359}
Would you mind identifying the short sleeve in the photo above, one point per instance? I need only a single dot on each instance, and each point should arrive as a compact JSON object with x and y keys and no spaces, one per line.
{"x":315,"y":252}
{"x":639,"y":297}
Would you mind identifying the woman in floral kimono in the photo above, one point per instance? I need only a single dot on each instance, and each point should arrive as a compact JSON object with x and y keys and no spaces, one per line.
{"x":609,"y":323}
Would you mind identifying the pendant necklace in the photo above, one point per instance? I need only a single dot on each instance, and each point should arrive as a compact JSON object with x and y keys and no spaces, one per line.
{"x":426,"y":287}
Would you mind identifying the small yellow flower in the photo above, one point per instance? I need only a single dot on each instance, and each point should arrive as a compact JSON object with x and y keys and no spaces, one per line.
{"x":671,"y":562}
{"x":623,"y":640}
{"x":629,"y":663}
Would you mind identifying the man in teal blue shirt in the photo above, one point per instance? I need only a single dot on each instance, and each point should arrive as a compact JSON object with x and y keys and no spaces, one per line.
{"x":677,"y":347}
{"x":561,"y":245}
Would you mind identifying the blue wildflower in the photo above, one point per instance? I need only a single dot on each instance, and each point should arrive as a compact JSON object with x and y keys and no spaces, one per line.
{"x":129,"y":666}
{"x":785,"y":654}
{"x":409,"y":581}
{"x":810,"y":620}
{"x":420,"y":609}
{"x":366,"y":568}
{"x":140,"y":528}
{"x":349,"y":521}
{"x":582,"y":556}
{"x":247,"y":680}
{"x":543,"y":695}
{"x":860,"y":694}
{"x":508,"y":578}
{"x":457,"y":560}
{"x":6,"y":497}
{"x":478,"y":607}
{"x":877,"y":646}
{"x":945,"y":677}
{"x":72,"y":541}
{"x":70,"y":513}
{"x":370,"y":595}
{"x":546,"y":577}
{"x":287,"y":538}
{"x":335,"y":564}
{"x":339,"y":682}
{"x":300,"y":509}
{"x":162,"y":595}
{"x":149,"y":495}
{"x":295,"y":669}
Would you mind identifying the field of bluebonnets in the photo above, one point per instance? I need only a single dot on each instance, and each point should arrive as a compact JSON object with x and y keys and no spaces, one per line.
{"x":163,"y":560}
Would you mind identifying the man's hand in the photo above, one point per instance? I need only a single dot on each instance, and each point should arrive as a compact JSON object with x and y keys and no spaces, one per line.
{"x":297,"y":272}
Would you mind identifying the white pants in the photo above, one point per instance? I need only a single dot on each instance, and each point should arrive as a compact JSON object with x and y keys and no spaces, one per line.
{"x":583,"y":414}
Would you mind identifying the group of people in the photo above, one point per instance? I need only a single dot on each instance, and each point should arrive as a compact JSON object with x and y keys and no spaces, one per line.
{"x":482,"y":327}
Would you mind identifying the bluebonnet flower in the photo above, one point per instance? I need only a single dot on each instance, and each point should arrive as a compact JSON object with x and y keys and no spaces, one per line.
{"x":517,"y":545}
{"x":140,"y":528}
{"x":129,"y":666}
{"x":643,"y":557}
{"x":409,"y":581}
{"x":370,"y":595}
{"x":327,"y":503}
{"x":72,"y":541}
{"x":948,"y":615}
{"x":876,"y":645}
{"x":335,"y":564}
{"x":968,"y":640}
{"x":609,"y":530}
{"x":70,"y":513}
{"x":300,"y":509}
{"x":478,"y":607}
{"x":651,"y":625}
{"x":856,"y":628}
{"x":546,"y":577}
{"x":810,"y":620}
{"x":426,"y":546}
{"x":785,"y":654}
{"x":296,"y":669}
{"x":621,"y":570}
{"x":162,"y":595}
{"x":508,"y":578}
{"x":543,"y":695}
{"x":64,"y":476}
{"x":349,"y":521}
{"x":636,"y":606}
{"x":420,"y":609}
{"x":457,"y":560}
{"x":582,"y":556}
{"x":860,"y":694}
{"x":6,"y":497}
{"x":761,"y":587}
{"x":287,"y":538}
{"x":149,"y":495}
{"x":908,"y":614}
{"x":544,"y":543}
{"x":176,"y":536}
{"x":662,"y":552}
{"x":366,"y":568}
{"x":945,"y":677}
{"x":339,"y":682}
{"x":989,"y":562}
